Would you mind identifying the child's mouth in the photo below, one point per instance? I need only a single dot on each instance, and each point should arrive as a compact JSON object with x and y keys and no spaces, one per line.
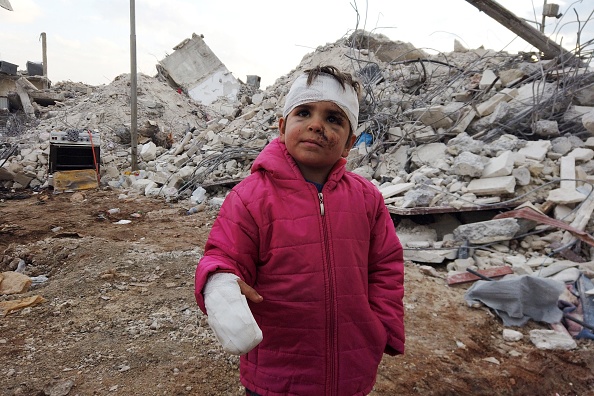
{"x":311,"y":142}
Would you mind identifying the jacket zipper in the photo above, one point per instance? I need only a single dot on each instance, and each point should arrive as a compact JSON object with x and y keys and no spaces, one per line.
{"x":321,"y":198}
{"x":332,"y":325}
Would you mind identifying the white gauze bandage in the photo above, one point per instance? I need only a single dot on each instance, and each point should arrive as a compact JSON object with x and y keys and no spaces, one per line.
{"x":229,"y":315}
{"x":324,"y":88}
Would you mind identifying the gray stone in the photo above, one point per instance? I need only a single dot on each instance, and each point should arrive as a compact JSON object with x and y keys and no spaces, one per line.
{"x":561,"y":145}
{"x":551,"y":340}
{"x":585,"y":96}
{"x":468,"y":164}
{"x":463,"y":142}
{"x":148,"y":152}
{"x":522,"y":176}
{"x":432,"y":154}
{"x":421,"y":196}
{"x":510,"y":335}
{"x":487,"y":231}
{"x":546,"y":128}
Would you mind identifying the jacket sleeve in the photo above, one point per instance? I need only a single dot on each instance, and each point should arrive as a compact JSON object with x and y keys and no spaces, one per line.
{"x":386,"y":278}
{"x":232,"y":246}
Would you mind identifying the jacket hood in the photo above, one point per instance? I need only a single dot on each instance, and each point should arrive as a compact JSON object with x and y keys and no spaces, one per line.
{"x":276,"y":160}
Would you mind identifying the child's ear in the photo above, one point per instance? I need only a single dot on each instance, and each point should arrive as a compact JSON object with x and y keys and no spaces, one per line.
{"x":349,"y":145}
{"x":281,"y":129}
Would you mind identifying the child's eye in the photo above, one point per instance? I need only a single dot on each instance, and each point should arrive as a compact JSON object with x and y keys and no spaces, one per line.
{"x":335,"y":120}
{"x":302,"y":113}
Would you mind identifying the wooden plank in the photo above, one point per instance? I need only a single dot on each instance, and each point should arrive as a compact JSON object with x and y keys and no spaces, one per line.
{"x":466,"y":277}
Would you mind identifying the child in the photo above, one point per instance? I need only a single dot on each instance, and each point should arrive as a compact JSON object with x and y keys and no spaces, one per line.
{"x":314,"y":250}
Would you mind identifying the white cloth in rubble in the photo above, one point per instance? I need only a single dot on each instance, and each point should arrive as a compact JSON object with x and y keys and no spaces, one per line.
{"x":229,"y":315}
{"x":324,"y":88}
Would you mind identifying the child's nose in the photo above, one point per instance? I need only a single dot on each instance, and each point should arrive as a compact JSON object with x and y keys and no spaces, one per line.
{"x":316,"y":124}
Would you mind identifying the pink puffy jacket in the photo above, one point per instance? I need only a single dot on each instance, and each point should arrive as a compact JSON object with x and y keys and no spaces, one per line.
{"x":330,"y":269}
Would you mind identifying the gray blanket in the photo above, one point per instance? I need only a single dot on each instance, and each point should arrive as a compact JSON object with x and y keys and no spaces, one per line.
{"x":517,"y":299}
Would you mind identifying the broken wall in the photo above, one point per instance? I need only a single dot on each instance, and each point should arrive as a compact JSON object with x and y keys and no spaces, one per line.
{"x":196,"y":69}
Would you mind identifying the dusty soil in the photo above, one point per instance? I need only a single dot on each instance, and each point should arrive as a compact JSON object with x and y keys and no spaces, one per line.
{"x":120,"y":316}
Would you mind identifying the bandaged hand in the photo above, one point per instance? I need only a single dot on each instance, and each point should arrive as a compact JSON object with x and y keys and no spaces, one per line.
{"x":229,"y":315}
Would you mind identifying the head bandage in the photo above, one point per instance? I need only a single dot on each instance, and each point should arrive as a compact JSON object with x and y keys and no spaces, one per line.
{"x":324,"y":88}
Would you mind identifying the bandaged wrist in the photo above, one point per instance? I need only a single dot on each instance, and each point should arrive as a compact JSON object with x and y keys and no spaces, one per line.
{"x":229,"y":315}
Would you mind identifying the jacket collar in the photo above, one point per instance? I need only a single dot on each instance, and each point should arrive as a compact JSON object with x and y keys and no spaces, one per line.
{"x":276,"y":160}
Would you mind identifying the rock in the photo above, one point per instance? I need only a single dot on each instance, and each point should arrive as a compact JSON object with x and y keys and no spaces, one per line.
{"x":552,"y":340}
{"x":512,"y":335}
{"x":14,"y":283}
{"x":487,"y":231}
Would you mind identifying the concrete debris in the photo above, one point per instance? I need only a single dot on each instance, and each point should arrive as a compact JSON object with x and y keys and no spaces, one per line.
{"x":552,"y":340}
{"x":510,"y":335}
{"x":455,"y":137}
{"x":205,"y":78}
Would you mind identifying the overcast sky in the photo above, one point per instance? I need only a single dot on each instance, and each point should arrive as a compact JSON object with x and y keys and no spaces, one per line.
{"x":89,"y":40}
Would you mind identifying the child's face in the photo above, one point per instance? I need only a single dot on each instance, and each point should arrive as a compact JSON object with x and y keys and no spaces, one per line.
{"x":316,"y":135}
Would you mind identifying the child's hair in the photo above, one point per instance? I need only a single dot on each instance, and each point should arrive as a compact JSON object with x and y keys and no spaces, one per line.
{"x":342,"y":77}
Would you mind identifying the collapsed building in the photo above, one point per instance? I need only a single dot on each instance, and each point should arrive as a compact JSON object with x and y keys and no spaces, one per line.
{"x":485,"y":159}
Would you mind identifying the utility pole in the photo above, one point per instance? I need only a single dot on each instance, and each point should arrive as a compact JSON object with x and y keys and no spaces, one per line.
{"x":133,"y":83}
{"x":44,"y":59}
{"x":542,"y":24}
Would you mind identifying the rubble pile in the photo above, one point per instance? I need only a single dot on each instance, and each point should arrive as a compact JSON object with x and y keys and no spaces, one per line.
{"x":443,"y":134}
{"x":485,"y":159}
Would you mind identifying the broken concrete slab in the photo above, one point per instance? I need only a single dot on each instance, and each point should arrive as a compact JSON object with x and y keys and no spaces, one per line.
{"x":536,"y":150}
{"x":195,"y":68}
{"x":501,"y":165}
{"x":430,"y":256}
{"x":433,"y":116}
{"x":567,"y":173}
{"x":487,"y":231}
{"x":489,"y":79}
{"x":565,"y":196}
{"x":488,"y":107}
{"x":23,"y":87}
{"x":464,"y":121}
{"x":582,"y":154}
{"x":492,"y":185}
{"x":395,"y":189}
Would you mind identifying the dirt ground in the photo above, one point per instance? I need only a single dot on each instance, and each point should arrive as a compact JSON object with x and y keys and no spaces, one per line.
{"x":120,"y":316}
